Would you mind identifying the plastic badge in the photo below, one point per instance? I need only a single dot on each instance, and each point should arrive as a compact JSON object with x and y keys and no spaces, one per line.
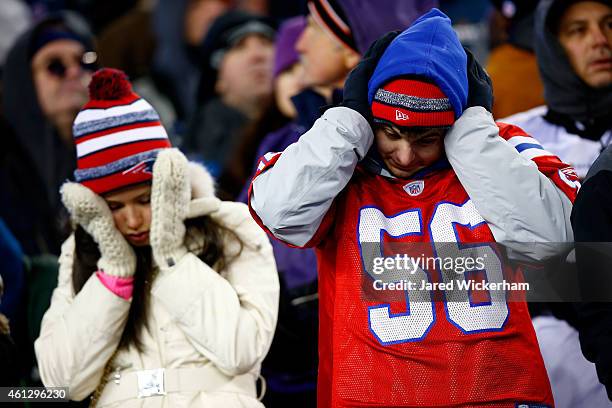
{"x":151,"y":382}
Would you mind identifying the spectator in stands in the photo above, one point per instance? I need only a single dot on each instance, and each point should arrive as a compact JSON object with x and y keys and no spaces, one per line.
{"x":290,"y":369}
{"x":358,"y":179}
{"x":235,"y":85}
{"x":45,"y":84}
{"x":164,"y":290}
{"x":276,"y":120}
{"x":340,"y":31}
{"x":573,"y":40}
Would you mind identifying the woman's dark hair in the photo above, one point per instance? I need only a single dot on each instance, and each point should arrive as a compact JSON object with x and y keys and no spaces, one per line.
{"x":87,"y":254}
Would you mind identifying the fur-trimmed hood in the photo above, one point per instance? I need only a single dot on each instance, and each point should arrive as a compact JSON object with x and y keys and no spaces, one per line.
{"x":203,"y":198}
{"x":232,"y":215}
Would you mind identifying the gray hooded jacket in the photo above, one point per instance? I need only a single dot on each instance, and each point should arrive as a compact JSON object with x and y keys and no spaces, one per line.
{"x":564,"y":91}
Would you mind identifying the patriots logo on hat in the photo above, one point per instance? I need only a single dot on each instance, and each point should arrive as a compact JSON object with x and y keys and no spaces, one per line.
{"x":145,"y":166}
{"x":399,"y":115}
{"x":117,"y":135}
{"x":414,"y":188}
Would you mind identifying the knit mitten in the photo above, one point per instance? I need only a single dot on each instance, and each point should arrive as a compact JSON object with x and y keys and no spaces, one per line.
{"x":91,"y":212}
{"x":170,"y":197}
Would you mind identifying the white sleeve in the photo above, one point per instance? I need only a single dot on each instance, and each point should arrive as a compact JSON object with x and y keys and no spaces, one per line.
{"x":520,"y":204}
{"x":79,"y":334}
{"x":292,"y":197}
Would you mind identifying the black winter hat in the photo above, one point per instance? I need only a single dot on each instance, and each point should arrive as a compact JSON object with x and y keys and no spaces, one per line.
{"x":226,"y":31}
{"x":61,"y":25}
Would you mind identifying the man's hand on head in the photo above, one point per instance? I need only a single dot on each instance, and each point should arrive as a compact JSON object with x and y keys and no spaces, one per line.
{"x":480,"y":92}
{"x":356,"y":86}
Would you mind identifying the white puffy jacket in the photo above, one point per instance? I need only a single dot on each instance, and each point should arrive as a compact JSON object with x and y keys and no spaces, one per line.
{"x":209,"y":330}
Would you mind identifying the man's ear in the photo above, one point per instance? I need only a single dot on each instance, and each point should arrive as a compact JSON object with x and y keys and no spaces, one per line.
{"x":351,"y":58}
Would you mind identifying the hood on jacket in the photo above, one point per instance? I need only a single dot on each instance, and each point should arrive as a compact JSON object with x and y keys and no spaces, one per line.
{"x":369,"y":19}
{"x":52,"y":161}
{"x":603,"y":162}
{"x":203,"y":198}
{"x":429,"y":48}
{"x":564,"y":91}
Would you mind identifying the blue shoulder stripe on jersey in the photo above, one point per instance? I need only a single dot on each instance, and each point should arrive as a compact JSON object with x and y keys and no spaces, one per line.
{"x":525,"y":146}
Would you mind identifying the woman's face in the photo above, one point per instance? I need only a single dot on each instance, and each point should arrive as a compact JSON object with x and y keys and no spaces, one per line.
{"x":131,"y":209}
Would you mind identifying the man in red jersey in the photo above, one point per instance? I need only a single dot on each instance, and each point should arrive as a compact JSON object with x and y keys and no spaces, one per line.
{"x":413,"y":156}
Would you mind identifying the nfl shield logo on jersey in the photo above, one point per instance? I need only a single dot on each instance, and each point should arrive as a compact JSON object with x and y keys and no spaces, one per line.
{"x":414,"y":188}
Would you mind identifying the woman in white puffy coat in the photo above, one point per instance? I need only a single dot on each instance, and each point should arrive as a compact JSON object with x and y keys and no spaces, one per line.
{"x":167,"y":296}
{"x":199,"y":316}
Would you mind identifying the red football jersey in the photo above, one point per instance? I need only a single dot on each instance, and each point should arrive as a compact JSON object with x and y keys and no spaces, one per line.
{"x":404,"y":353}
{"x":421,"y":348}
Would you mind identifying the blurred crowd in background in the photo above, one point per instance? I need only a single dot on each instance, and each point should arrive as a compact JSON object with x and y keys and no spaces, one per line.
{"x":231,"y":80}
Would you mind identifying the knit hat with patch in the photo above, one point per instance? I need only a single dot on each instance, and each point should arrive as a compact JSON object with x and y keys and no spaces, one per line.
{"x":117,"y":135}
{"x":412,"y":102}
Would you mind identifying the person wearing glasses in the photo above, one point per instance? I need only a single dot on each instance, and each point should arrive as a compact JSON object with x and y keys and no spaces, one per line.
{"x":44,"y":85}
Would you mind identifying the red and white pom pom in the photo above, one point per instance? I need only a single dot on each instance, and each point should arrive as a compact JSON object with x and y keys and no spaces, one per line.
{"x":109,"y":84}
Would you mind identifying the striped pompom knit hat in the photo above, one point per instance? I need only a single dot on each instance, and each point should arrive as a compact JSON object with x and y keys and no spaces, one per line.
{"x":330,"y":16}
{"x":117,"y":135}
{"x":414,"y":103}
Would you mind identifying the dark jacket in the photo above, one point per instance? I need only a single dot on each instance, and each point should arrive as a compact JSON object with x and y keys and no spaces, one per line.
{"x":174,"y":67}
{"x":215,"y":132}
{"x":592,"y":224}
{"x":34,"y":161}
{"x":11,"y":272}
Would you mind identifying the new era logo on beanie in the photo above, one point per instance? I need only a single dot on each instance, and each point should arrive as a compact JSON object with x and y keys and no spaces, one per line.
{"x":412,"y":102}
{"x":117,"y":135}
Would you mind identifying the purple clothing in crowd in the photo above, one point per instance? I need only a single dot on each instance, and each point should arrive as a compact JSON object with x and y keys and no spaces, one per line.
{"x":286,"y":38}
{"x":297,"y":266}
{"x":370,"y":19}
